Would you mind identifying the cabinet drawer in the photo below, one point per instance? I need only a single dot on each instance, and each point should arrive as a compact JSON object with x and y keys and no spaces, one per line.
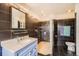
{"x":28,"y":50}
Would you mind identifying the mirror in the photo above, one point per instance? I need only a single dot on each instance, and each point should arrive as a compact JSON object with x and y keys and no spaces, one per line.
{"x":18,"y":18}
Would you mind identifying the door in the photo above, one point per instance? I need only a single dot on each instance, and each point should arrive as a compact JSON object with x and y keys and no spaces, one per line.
{"x":64,"y":31}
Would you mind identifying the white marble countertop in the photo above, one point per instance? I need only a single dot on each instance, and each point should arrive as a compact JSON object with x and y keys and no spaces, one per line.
{"x":14,"y":45}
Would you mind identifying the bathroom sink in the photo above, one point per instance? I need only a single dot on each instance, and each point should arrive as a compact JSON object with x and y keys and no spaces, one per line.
{"x":70,"y":43}
{"x":15,"y":45}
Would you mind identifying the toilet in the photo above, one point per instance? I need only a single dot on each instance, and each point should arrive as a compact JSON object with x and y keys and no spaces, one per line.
{"x":71,"y":46}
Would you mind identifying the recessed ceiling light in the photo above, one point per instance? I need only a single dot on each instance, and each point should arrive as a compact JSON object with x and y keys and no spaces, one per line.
{"x":69,"y":11}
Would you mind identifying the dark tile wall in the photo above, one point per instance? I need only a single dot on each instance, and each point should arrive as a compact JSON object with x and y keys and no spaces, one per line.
{"x":5,"y":21}
{"x":4,"y":17}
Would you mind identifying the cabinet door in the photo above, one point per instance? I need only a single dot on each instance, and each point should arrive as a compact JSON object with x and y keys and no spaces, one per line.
{"x":0,"y":51}
{"x":23,"y":51}
{"x":33,"y":51}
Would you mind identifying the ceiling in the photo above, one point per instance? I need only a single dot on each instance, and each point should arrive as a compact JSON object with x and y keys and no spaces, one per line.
{"x":48,"y":10}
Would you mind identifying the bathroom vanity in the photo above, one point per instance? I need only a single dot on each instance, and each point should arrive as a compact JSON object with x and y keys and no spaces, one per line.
{"x":16,"y":47}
